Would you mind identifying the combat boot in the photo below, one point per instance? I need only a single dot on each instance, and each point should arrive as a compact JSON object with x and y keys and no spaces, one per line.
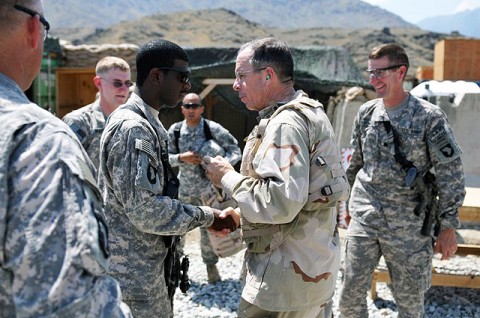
{"x":212,"y":273}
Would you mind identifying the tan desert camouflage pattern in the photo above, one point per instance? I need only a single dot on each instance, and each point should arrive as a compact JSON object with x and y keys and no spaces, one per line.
{"x":88,"y":123}
{"x":53,"y":237}
{"x":139,"y":215}
{"x":382,"y":206}
{"x":301,"y":272}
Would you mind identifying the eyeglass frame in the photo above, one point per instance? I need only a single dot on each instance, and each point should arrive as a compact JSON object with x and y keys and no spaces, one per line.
{"x":33,"y":13}
{"x":117,"y":82}
{"x":237,"y":75}
{"x":191,"y":105}
{"x":373,"y":71}
{"x":184,"y":74}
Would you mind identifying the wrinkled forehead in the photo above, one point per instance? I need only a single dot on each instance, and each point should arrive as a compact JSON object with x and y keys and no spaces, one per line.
{"x":243,"y":61}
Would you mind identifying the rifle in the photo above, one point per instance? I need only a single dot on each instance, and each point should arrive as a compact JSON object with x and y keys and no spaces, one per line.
{"x":174,"y":270}
{"x":428,"y":203}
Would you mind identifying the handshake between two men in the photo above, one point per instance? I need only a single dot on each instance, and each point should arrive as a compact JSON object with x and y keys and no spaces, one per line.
{"x":227,"y":220}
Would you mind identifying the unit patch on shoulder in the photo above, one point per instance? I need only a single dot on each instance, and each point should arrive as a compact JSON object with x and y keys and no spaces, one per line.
{"x":443,"y":144}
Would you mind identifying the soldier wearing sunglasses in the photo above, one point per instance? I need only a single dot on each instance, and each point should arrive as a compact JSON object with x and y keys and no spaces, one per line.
{"x":189,"y":141}
{"x":113,"y":82}
{"x":403,"y":145}
{"x":137,"y":183}
{"x":53,"y":237}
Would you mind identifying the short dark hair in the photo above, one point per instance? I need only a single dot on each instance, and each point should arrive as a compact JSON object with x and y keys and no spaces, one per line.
{"x":157,"y":53}
{"x":274,"y":53}
{"x":394,"y":52}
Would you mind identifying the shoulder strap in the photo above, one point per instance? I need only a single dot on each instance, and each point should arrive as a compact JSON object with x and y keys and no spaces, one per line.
{"x":206,"y":129}
{"x":176,"y":133}
{"x":400,"y":158}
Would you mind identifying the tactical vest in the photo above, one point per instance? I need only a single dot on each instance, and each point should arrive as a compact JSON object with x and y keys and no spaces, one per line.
{"x":327,"y":180}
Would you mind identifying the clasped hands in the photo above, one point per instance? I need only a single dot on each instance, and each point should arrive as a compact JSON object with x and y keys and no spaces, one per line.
{"x":228,"y":220}
{"x":224,"y":222}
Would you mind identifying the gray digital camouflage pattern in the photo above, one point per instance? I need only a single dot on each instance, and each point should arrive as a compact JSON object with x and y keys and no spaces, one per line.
{"x":273,"y":188}
{"x":193,"y":181}
{"x":88,"y":123}
{"x":53,"y":237}
{"x":381,"y":205}
{"x":131,"y":178}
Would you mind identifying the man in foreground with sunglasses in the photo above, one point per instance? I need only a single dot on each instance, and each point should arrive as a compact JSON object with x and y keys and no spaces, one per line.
{"x":53,"y":236}
{"x":113,"y":82}
{"x":189,"y":141}
{"x":396,"y":199}
{"x":140,"y":187}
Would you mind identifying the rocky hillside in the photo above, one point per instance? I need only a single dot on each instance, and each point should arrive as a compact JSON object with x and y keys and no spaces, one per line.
{"x":224,"y":28}
{"x":286,"y":14}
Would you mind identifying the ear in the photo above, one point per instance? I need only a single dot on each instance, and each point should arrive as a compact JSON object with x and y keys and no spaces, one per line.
{"x":34,"y":36}
{"x":269,"y":73}
{"x":156,"y":75}
{"x":97,"y":82}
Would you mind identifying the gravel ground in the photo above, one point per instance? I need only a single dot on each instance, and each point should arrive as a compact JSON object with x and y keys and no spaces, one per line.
{"x":221,"y":299}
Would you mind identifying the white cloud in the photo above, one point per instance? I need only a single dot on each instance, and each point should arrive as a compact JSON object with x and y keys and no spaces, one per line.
{"x":467,"y":5}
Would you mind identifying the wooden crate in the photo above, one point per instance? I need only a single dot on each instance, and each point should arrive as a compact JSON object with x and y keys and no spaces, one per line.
{"x":424,"y":73}
{"x":457,"y":59}
{"x":74,"y":89}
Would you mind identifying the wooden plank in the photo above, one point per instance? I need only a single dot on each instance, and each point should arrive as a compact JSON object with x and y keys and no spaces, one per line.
{"x":468,"y":249}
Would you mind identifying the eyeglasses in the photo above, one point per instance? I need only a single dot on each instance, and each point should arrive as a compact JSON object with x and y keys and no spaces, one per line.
{"x":34,"y":13}
{"x":191,"y":105}
{"x":382,"y":72}
{"x":240,"y":76}
{"x":118,"y":83}
{"x":183,"y":75}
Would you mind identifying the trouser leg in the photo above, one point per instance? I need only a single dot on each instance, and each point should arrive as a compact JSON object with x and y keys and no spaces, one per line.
{"x":361,"y":255}
{"x":409,"y":259}
{"x":208,"y":255}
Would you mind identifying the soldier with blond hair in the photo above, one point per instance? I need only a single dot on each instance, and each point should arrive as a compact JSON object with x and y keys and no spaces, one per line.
{"x":113,"y":82}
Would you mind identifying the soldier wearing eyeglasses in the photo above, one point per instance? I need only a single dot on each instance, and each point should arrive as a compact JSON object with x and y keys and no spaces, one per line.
{"x":138,"y":183}
{"x":53,"y":236}
{"x":113,"y":82}
{"x":404,"y":152}
{"x":188,"y":143}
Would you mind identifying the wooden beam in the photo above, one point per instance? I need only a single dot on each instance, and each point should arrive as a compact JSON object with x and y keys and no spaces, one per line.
{"x":212,"y":83}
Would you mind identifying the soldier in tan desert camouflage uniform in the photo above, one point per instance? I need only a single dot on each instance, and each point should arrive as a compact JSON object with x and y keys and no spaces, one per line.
{"x":385,"y":218}
{"x":291,"y":178}
{"x":53,"y":237}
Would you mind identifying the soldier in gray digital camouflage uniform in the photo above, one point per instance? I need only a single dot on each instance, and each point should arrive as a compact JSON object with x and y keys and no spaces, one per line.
{"x":113,"y":82}
{"x":187,"y":145}
{"x":383,"y":202}
{"x":134,"y":175}
{"x":53,"y":237}
{"x":291,"y":179}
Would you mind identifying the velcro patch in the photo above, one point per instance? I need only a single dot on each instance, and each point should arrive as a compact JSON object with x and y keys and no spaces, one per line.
{"x":443,"y":144}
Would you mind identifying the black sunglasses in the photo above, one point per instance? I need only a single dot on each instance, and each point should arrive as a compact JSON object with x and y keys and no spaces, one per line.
{"x":191,"y":105}
{"x":183,"y":75}
{"x":34,"y":13}
{"x":119,"y":83}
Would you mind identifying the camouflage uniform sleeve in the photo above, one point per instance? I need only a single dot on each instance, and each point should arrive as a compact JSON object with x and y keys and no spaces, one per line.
{"x":56,"y":242}
{"x":173,"y":151}
{"x":137,"y":181}
{"x":79,"y":125}
{"x":356,"y":161}
{"x":281,"y":189}
{"x":226,"y":140}
{"x":445,"y":152}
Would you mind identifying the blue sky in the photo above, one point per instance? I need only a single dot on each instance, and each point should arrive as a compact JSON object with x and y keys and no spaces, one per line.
{"x":414,"y":11}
